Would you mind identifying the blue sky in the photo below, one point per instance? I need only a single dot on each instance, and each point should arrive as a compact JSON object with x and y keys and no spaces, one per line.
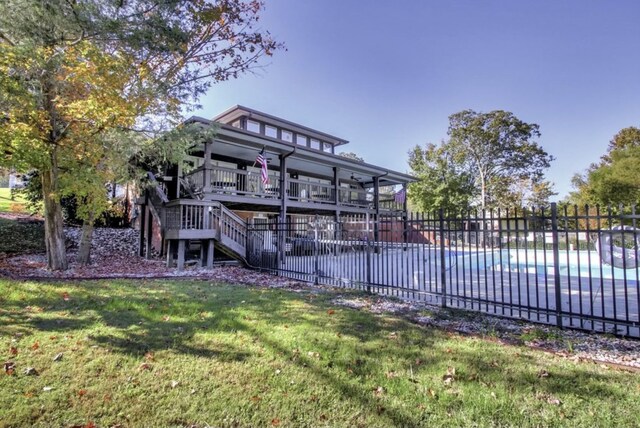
{"x":386,"y":75}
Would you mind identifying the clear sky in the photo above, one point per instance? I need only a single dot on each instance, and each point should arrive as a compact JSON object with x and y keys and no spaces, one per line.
{"x":386,"y":75}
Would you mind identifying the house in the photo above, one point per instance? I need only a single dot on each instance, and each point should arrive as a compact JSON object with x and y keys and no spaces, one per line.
{"x":208,"y":200}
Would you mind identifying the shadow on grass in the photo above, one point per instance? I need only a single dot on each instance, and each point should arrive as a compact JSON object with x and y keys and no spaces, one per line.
{"x":136,"y":319}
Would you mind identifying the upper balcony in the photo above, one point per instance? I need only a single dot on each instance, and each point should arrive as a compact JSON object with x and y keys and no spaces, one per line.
{"x":242,"y":188}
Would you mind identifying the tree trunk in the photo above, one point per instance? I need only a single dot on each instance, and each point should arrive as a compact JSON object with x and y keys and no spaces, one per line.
{"x":84,"y":252}
{"x":53,"y":224}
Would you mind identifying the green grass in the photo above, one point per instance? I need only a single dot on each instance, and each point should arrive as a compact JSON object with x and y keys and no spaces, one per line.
{"x":18,"y":237}
{"x":17,"y":205}
{"x":187,"y":353}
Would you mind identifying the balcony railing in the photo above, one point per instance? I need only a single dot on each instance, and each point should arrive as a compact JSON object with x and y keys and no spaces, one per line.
{"x":238,"y":182}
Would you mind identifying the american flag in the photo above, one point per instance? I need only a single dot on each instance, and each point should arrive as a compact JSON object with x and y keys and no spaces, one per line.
{"x":264,"y":172}
{"x":400,"y":196}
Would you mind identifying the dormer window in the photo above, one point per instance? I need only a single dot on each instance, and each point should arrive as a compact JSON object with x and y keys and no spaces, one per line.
{"x":327,"y":147}
{"x":315,"y":144}
{"x":287,"y":136}
{"x":253,"y":126}
{"x":271,"y":131}
{"x":301,"y":140}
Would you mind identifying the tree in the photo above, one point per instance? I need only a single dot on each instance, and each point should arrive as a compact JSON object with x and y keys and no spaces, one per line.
{"x":615,"y":180}
{"x":495,"y":147}
{"x":74,"y":72}
{"x":442,"y":183}
{"x":351,"y":155}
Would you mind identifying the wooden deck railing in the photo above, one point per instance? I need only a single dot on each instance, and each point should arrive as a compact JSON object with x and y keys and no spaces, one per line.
{"x":228,"y":181}
{"x":194,"y":219}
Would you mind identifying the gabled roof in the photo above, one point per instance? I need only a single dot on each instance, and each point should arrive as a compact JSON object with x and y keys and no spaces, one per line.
{"x":239,"y":111}
{"x":314,"y":158}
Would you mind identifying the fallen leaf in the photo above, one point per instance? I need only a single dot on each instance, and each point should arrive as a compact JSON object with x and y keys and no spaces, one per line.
{"x":331,"y":312}
{"x":47,"y":388}
{"x":449,"y":377}
{"x":379,"y":391}
{"x":65,"y":296}
{"x":144,"y":366}
{"x":275,"y":422}
{"x":391,"y":374}
{"x":255,"y":399}
{"x":432,"y":393}
{"x":543,"y":373}
{"x":553,"y":401}
{"x":58,"y":357}
{"x":9,"y":367}
{"x":13,"y":350}
{"x":174,"y":383}
{"x":35,"y":345}
{"x":30,"y":371}
{"x":149,"y":356}
{"x":82,"y":393}
{"x":165,"y":318}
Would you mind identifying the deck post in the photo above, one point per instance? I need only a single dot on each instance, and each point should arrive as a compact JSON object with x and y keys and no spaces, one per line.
{"x":149,"y":236}
{"x":169,"y":254}
{"x":181,"y":248}
{"x":210,"y":250}
{"x":206,"y":188}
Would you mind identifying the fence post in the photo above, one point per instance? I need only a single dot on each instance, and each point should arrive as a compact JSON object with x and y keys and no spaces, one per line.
{"x":443,"y":270}
{"x":368,"y":266}
{"x":556,"y":263}
{"x":316,"y":260}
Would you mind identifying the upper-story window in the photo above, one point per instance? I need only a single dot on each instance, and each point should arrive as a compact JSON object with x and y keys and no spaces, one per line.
{"x":315,"y":144}
{"x":253,"y":126}
{"x":301,"y":139}
{"x":271,"y":131}
{"x":327,"y":147}
{"x":287,"y":136}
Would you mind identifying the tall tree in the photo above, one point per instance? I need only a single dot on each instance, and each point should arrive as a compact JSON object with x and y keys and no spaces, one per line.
{"x":71,"y":72}
{"x":496,"y":146}
{"x":616,"y":178}
{"x":442,"y":182}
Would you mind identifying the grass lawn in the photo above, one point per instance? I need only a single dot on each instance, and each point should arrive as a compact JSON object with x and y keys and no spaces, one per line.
{"x":7,"y":205}
{"x":196,"y":354}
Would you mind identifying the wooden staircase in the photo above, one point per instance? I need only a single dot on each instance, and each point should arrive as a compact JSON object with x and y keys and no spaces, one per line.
{"x":184,"y":222}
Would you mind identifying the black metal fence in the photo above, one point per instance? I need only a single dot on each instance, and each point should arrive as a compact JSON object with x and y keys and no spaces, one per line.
{"x":571,"y":267}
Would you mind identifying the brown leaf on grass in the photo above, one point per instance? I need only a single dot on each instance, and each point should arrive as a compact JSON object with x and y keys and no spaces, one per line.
{"x":13,"y":350}
{"x":35,"y":346}
{"x":255,"y":399}
{"x":144,"y":366}
{"x":9,"y":367}
{"x":418,"y":361}
{"x":82,"y":392}
{"x":149,"y":356}
{"x":165,"y":318}
{"x":449,"y":377}
{"x":550,"y":399}
{"x":65,"y":296}
{"x":331,"y":312}
{"x":543,"y":373}
{"x":432,"y":393}
{"x":391,"y":374}
{"x":275,"y":422}
{"x":378,"y":391}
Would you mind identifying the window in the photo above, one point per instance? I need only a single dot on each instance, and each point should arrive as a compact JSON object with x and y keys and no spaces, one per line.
{"x":327,"y":147}
{"x":253,"y":126}
{"x":271,"y":131}
{"x":301,"y":139}
{"x":315,"y":144}
{"x":287,"y":136}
